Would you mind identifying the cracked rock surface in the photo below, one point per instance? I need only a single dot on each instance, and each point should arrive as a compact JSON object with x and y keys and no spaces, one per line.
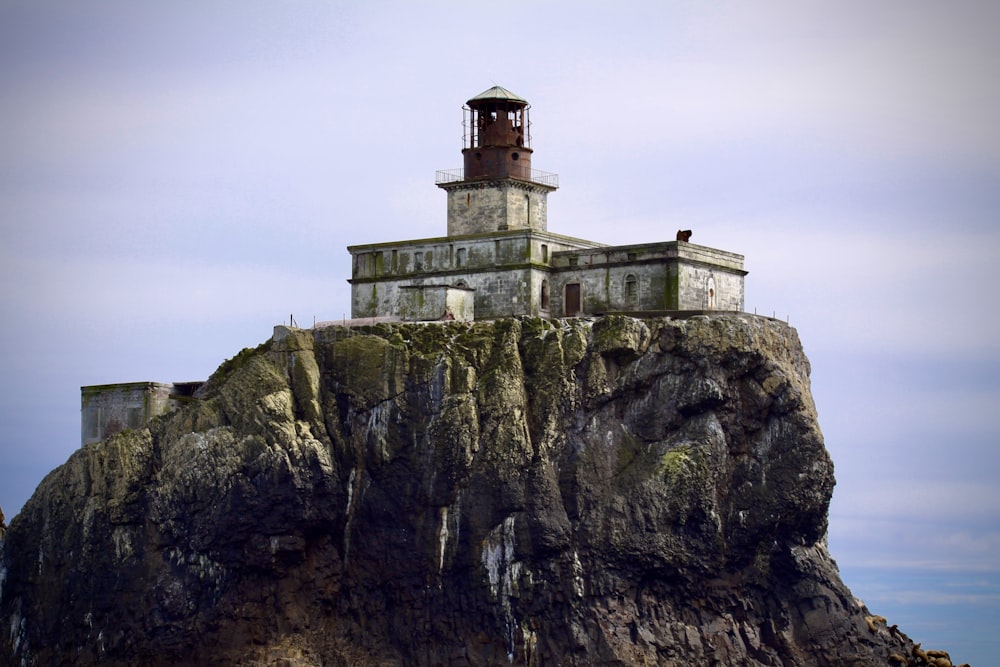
{"x":614,"y":491}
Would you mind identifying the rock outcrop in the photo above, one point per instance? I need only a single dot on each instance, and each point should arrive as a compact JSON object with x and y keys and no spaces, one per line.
{"x":578,"y":492}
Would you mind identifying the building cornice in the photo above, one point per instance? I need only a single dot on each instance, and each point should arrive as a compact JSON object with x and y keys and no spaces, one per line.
{"x":482,"y":184}
{"x":483,"y":236}
{"x":460,"y":271}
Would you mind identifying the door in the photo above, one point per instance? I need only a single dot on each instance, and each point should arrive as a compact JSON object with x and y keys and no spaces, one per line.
{"x":571,"y":304}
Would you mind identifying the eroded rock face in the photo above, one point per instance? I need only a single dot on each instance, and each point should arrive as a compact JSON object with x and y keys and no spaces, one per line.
{"x":579,"y":492}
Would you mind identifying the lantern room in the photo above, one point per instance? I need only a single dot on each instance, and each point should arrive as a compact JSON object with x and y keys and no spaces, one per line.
{"x":497,"y":139}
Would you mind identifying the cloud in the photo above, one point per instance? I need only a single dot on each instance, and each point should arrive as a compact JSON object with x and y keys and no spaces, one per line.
{"x":916,"y":526}
{"x":151,"y":291}
{"x":923,"y":500}
{"x":896,"y":82}
{"x":863,"y":549}
{"x":932,"y":596}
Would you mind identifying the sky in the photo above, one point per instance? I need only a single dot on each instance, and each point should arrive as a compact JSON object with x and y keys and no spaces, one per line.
{"x":178,"y":177}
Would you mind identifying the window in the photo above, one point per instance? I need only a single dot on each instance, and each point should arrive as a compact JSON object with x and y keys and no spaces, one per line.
{"x":711,"y":293}
{"x":545,"y":253}
{"x":460,"y":257}
{"x":544,"y":303}
{"x":368,"y":264}
{"x":631,"y":291}
{"x":418,"y":261}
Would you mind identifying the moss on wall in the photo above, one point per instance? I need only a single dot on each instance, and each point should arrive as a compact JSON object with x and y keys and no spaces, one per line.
{"x":672,"y":288}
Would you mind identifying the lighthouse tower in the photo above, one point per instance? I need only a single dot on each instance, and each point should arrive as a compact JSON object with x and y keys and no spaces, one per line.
{"x":499,"y":259}
{"x":497,"y":190}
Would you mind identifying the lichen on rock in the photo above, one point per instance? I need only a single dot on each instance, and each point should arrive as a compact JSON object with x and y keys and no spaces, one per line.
{"x":612,"y":491}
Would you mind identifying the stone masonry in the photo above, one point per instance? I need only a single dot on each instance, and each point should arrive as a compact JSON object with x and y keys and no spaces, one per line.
{"x":107,"y":409}
{"x":499,"y":247}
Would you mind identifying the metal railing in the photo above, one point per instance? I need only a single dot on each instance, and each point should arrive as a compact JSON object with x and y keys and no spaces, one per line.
{"x":536,"y":176}
{"x":448,"y":176}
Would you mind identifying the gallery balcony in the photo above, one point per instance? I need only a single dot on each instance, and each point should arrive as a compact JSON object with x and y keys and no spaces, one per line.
{"x":532,"y":175}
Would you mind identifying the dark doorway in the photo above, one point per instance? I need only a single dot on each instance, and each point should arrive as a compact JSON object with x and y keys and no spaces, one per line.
{"x":572,"y":300}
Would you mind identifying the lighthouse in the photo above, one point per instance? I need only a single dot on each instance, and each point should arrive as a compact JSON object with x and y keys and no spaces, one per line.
{"x":499,"y":259}
{"x":496,"y":190}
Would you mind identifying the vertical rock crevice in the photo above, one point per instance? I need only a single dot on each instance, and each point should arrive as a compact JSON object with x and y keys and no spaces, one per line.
{"x":534,"y":492}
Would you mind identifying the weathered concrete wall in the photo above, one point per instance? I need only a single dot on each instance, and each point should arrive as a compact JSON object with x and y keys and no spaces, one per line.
{"x":650,"y":252}
{"x":422,"y":303}
{"x":477,"y":208}
{"x":509,"y":271}
{"x":709,"y":288}
{"x":649,"y":277}
{"x":460,"y":304}
{"x":111,"y":408}
{"x":503,"y":268}
{"x":614,"y":288}
{"x":540,"y":286}
{"x":495,"y":294}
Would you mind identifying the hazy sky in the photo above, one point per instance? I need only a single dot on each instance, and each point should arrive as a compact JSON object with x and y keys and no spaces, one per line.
{"x":178,"y":177}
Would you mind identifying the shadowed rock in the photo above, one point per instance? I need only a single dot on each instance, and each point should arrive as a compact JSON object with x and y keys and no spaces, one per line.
{"x":575,"y":492}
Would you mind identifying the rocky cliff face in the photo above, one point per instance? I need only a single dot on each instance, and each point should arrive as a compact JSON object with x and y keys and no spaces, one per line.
{"x":579,"y":492}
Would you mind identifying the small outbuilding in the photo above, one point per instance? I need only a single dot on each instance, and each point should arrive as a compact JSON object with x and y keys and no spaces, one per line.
{"x":106,"y":409}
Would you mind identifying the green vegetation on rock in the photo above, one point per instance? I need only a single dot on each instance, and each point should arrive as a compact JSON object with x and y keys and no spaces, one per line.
{"x":525,"y":491}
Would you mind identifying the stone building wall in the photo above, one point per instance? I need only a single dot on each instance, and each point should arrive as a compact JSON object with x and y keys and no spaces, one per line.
{"x":525,"y":272}
{"x":648,"y":277}
{"x":425,"y":303}
{"x":489,"y":206}
{"x":610,"y":288}
{"x":708,"y":288}
{"x":110,"y":408}
{"x":709,"y":279}
{"x":496,"y":293}
{"x":504,"y":268}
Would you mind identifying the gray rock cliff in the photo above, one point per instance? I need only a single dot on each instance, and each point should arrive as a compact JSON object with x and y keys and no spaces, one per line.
{"x":578,"y":492}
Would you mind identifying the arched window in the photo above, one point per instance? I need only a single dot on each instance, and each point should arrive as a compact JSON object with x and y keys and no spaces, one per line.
{"x":545,"y":295}
{"x":631,"y":291}
{"x":711,"y":293}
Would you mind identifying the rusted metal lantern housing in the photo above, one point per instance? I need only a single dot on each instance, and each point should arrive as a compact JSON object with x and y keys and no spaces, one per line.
{"x":497,"y":138}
